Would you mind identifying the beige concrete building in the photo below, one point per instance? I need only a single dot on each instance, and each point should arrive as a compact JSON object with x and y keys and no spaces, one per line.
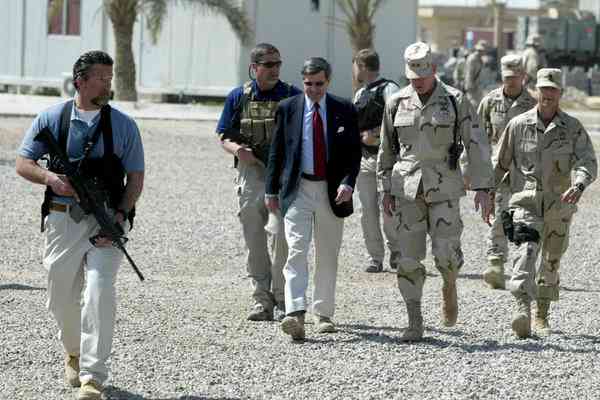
{"x":445,"y":27}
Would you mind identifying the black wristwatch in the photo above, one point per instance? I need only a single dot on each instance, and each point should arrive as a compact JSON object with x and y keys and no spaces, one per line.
{"x":580,"y":186}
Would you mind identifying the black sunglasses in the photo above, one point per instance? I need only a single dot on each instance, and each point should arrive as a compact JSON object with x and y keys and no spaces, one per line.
{"x":317,"y":84}
{"x":270,"y":64}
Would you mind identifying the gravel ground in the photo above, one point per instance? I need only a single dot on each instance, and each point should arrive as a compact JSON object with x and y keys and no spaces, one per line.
{"x":182,"y":334}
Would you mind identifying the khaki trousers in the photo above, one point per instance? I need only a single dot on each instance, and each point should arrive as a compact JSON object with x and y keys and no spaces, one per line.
{"x":75,"y":267}
{"x":310,"y":212}
{"x":267,"y":277}
{"x":554,"y":241}
{"x":497,"y":242}
{"x":366,"y":185}
{"x":413,"y":220}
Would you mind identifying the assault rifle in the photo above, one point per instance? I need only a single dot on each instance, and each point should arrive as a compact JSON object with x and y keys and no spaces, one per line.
{"x":92,"y":198}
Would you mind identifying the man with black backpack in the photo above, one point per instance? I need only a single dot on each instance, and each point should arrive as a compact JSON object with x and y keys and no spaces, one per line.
{"x":106,"y":148}
{"x":370,"y":101}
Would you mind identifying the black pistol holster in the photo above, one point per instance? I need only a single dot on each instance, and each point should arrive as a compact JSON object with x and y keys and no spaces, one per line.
{"x":518,"y":233}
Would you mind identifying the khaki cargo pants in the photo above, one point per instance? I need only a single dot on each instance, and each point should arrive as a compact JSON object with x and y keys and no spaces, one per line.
{"x":266,"y":275}
{"x":370,"y":201}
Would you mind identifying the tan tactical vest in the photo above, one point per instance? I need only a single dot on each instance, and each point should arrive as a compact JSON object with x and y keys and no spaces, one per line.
{"x":258,"y":121}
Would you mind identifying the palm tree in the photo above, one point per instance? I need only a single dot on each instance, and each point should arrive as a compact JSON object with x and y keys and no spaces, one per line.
{"x":359,"y":21}
{"x":123,"y":15}
{"x":359,"y":24}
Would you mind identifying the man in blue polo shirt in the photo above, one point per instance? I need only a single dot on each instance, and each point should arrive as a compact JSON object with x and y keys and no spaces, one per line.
{"x":245,"y":130}
{"x":116,"y":160}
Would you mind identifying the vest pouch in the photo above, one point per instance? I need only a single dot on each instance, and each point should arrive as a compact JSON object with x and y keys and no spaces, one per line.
{"x":269,"y":128}
{"x":246,"y":130}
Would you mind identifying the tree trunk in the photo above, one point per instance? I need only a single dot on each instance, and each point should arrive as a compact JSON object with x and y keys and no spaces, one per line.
{"x":123,"y":14}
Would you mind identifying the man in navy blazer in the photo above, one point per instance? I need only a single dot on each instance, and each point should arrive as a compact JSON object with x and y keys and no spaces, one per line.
{"x":313,"y":164}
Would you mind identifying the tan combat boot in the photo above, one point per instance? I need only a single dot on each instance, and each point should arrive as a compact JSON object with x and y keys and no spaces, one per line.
{"x":494,"y":274}
{"x":414,"y":332}
{"x":72,"y":370}
{"x":521,"y":323}
{"x":90,"y":390}
{"x":450,"y":302}
{"x":541,"y":317}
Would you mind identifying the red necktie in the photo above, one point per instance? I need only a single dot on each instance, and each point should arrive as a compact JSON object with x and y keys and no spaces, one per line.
{"x":319,"y":150}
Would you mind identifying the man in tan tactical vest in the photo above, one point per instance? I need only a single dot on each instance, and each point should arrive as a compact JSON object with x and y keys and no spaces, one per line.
{"x":549,"y":160}
{"x":426,"y":126}
{"x":245,"y":130}
{"x":473,"y":69}
{"x":495,"y":110}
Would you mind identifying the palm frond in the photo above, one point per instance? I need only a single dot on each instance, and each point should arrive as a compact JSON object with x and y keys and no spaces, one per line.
{"x":156,"y":11}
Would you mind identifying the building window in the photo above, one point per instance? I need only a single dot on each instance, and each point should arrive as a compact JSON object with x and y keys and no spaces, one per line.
{"x":64,"y":17}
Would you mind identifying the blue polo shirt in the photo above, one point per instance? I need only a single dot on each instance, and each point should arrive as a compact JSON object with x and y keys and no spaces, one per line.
{"x":127,"y":143}
{"x":279,"y":92}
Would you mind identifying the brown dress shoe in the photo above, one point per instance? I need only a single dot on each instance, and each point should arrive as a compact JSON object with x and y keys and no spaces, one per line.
{"x":293,"y":325}
{"x":90,"y":390}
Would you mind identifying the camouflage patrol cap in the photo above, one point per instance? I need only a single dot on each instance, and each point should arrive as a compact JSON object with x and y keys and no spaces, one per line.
{"x":534,"y":39}
{"x":549,"y":77}
{"x":482,"y":45}
{"x":511,"y":65}
{"x":418,"y":61}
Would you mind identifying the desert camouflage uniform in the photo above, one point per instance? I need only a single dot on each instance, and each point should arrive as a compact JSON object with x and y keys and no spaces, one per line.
{"x":543,"y":163}
{"x":495,"y":110}
{"x":472,"y":85}
{"x":533,"y":61}
{"x":413,"y":167}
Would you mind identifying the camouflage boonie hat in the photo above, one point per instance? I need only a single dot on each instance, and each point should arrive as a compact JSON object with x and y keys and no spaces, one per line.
{"x":511,"y":65}
{"x":418,"y":61}
{"x":549,"y":77}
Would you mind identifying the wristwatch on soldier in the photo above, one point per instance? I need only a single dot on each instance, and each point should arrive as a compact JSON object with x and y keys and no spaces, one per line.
{"x":579,"y":186}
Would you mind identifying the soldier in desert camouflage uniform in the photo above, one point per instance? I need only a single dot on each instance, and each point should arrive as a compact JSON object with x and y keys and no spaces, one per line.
{"x":473,"y":69}
{"x":495,"y":110}
{"x":549,"y":159}
{"x":421,"y":123}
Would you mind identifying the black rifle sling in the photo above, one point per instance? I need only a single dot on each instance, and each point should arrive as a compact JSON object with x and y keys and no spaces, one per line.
{"x":104,"y":125}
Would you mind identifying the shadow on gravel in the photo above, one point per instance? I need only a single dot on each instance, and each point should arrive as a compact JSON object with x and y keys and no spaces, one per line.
{"x":584,"y":290}
{"x":18,"y":286}
{"x":113,"y":393}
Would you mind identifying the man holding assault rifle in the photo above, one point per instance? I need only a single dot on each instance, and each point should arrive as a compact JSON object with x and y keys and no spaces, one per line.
{"x":94,"y":177}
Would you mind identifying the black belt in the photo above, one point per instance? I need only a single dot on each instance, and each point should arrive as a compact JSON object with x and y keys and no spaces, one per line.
{"x":311,"y":177}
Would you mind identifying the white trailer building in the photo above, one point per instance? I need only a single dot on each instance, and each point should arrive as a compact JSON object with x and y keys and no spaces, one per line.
{"x":197,"y":52}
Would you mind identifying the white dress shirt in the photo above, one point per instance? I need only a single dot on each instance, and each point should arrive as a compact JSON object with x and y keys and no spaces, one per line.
{"x":307,"y":161}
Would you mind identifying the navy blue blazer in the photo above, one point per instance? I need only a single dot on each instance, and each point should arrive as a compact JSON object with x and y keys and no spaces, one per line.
{"x":343,"y":144}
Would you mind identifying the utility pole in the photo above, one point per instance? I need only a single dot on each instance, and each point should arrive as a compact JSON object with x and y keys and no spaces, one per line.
{"x":499,"y":7}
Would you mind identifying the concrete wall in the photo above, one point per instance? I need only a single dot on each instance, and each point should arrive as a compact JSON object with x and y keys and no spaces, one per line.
{"x":197,"y":52}
{"x":299,"y":32}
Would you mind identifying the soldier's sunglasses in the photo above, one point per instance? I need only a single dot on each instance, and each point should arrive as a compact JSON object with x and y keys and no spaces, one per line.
{"x":317,"y":84}
{"x":269,"y":64}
